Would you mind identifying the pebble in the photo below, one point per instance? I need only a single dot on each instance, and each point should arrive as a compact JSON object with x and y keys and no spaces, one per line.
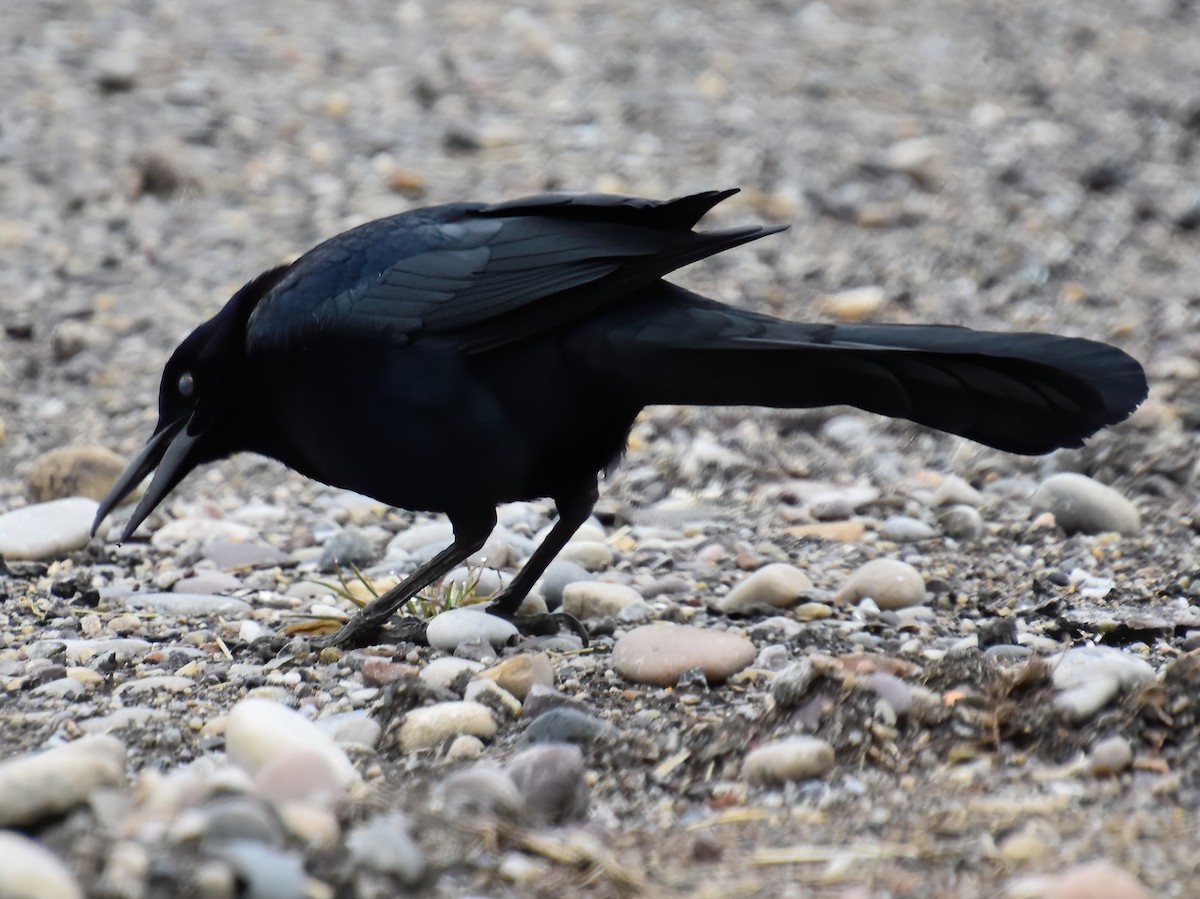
{"x":961,"y":522}
{"x":556,"y":577}
{"x":201,"y":531}
{"x":1111,"y":755}
{"x":794,"y":758}
{"x":565,"y":724}
{"x":591,"y":555}
{"x":180,"y":604}
{"x":241,"y":555}
{"x":1095,"y":880}
{"x":493,"y":696}
{"x":596,"y":599}
{"x":47,"y":530}
{"x":550,"y":779}
{"x":906,"y":529}
{"x":207,"y":583}
{"x":300,"y":773}
{"x":263,"y":872}
{"x":453,"y":627}
{"x":429,"y":725}
{"x":789,"y":687}
{"x":385,"y":845}
{"x":892,"y":584}
{"x":658,"y":654}
{"x":954,"y":491}
{"x":774,"y":586}
{"x":1089,"y":677}
{"x":88,"y":471}
{"x":232,"y":816}
{"x":480,"y":790}
{"x":347,"y":547}
{"x":31,"y":871}
{"x":443,"y":672}
{"x":841,"y":531}
{"x":465,"y":748}
{"x":35,"y":786}
{"x":259,"y":733}
{"x":520,"y":673}
{"x":853,"y":305}
{"x":1082,"y":505}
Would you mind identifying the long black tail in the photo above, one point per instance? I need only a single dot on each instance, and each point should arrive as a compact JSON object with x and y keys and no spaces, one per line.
{"x":1024,"y":393}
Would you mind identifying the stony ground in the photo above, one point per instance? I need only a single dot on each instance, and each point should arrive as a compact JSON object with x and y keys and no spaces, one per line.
{"x":1015,"y":166}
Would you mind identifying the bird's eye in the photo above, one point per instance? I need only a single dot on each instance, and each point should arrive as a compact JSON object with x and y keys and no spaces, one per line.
{"x":187,"y":384}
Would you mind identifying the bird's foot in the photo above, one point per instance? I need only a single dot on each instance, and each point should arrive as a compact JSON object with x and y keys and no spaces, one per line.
{"x":363,"y":630}
{"x":544,"y":625}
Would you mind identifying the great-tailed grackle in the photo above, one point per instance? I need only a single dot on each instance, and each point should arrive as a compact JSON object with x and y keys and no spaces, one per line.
{"x":502,"y":352}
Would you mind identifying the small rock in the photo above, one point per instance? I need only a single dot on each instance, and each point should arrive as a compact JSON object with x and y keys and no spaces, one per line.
{"x":348,"y":547}
{"x":550,"y":779}
{"x":592,"y":555}
{"x":1096,"y":880}
{"x":480,"y":790}
{"x":565,"y":725}
{"x":853,"y":305}
{"x":962,"y":523}
{"x":954,"y":491}
{"x":790,"y":686}
{"x":429,"y":725}
{"x":518,"y":674}
{"x":47,"y":530}
{"x":772,"y":587}
{"x":385,"y":845}
{"x":841,"y":531}
{"x":241,"y":555}
{"x":184,"y":605}
{"x":493,"y":696}
{"x":239,"y":817}
{"x":201,"y":531}
{"x":1089,"y":677}
{"x":465,"y":748}
{"x":890,"y":583}
{"x":556,"y":577}
{"x":658,"y":654}
{"x":595,"y":599}
{"x":262,"y":871}
{"x":88,"y":471}
{"x":301,"y":773}
{"x":905,"y":529}
{"x":259,"y":733}
{"x":542,"y":699}
{"x":1110,"y":756}
{"x":35,"y":786}
{"x":31,"y":871}
{"x":795,"y":758}
{"x":443,"y":672}
{"x":456,"y":626}
{"x":1082,"y":505}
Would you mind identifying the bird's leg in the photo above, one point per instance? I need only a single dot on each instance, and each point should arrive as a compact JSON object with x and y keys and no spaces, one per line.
{"x":572,"y":512}
{"x":469,"y":536}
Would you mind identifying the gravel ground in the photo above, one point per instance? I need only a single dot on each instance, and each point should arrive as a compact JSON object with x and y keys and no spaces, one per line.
{"x":1031,"y":708}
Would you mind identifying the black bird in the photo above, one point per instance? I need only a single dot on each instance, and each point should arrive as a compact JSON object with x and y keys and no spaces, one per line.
{"x":502,"y":352}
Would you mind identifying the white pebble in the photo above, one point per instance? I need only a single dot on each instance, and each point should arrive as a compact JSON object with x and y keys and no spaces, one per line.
{"x":454,"y":627}
{"x":596,"y":599}
{"x":1080,"y":504}
{"x":771,"y":587}
{"x":31,"y":871}
{"x":890,"y":583}
{"x":429,"y":725}
{"x":794,"y":758}
{"x":258,"y":731}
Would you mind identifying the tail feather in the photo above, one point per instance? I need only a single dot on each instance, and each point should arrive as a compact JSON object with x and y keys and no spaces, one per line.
{"x":1020,"y":392}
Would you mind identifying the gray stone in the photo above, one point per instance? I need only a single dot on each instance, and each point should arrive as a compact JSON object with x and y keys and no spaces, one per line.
{"x":264,"y":872}
{"x":556,"y":577}
{"x":905,"y":529}
{"x":181,"y":604}
{"x":1080,"y":504}
{"x":347,"y":547}
{"x":564,"y":724}
{"x":384,"y":845}
{"x":961,"y":522}
{"x":88,"y":471}
{"x":480,"y":790}
{"x":258,"y":732}
{"x":1089,"y":677}
{"x":592,"y":555}
{"x":457,"y":626}
{"x":1110,"y":756}
{"x":550,"y":779}
{"x":47,"y":530}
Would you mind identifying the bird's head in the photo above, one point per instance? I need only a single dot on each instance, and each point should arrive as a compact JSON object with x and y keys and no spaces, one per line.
{"x":198,"y":400}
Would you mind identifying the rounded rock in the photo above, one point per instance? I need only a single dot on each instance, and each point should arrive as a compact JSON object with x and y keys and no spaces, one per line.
{"x":47,"y":530}
{"x":658,"y":654}
{"x":596,"y":599}
{"x":774,"y":586}
{"x":1110,"y":756}
{"x":429,"y":725}
{"x":259,"y":732}
{"x":88,"y":471}
{"x":518,"y":674}
{"x":451,"y":628}
{"x":1082,"y":505}
{"x":40,"y":785}
{"x":550,"y":779}
{"x":794,"y":758}
{"x":906,"y":529}
{"x":1096,"y":879}
{"x":592,"y":555}
{"x":31,"y":871}
{"x":961,"y":522}
{"x":890,"y":583}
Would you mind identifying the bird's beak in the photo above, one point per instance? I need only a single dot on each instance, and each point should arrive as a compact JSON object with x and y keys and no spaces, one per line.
{"x":167,"y":451}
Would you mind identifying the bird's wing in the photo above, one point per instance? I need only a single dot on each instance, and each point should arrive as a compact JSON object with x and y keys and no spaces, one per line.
{"x":484,"y":276}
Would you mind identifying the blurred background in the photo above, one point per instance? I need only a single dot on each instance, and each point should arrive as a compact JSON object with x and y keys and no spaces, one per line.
{"x":1012,"y":164}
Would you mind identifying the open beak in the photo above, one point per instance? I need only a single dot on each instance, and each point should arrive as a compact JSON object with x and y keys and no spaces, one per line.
{"x":166,"y":454}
